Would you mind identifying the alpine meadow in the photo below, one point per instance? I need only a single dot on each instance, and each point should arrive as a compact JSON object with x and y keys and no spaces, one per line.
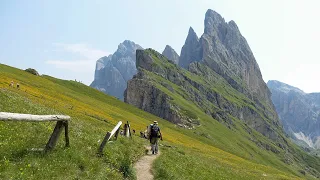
{"x":207,"y":109}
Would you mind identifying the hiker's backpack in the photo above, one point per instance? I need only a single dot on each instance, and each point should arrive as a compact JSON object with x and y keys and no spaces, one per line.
{"x":154,"y":131}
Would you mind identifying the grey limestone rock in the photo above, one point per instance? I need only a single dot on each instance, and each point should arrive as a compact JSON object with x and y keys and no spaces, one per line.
{"x":191,"y":50}
{"x":226,"y":51}
{"x":298,"y":111}
{"x":113,"y":71}
{"x":171,"y":54}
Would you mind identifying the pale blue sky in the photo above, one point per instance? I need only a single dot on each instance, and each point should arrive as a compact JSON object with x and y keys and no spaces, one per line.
{"x":65,"y":38}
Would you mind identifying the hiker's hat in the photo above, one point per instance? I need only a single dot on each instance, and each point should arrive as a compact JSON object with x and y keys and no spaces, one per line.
{"x":155,"y":122}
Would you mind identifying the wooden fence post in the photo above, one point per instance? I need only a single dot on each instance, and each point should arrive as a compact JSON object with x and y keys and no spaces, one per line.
{"x":125,"y":127}
{"x":104,"y":142}
{"x":117,"y":133}
{"x":54,"y":136}
{"x":127,"y":130}
{"x":66,"y":133}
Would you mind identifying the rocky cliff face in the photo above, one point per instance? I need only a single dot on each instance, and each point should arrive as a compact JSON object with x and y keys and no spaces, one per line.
{"x":226,"y":51}
{"x":146,"y":96}
{"x":113,"y":71}
{"x":298,"y":111}
{"x":153,"y":89}
{"x":171,"y":54}
{"x":191,"y":50}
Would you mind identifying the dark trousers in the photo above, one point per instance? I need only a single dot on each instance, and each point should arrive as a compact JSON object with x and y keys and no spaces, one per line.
{"x":154,"y":144}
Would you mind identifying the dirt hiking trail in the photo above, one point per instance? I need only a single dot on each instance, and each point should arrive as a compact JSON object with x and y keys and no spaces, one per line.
{"x":144,"y":165}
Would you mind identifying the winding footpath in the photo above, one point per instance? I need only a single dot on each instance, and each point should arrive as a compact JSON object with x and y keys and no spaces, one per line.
{"x":144,"y":165}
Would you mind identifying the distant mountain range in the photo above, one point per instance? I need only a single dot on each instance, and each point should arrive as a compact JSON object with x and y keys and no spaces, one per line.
{"x":222,"y":52}
{"x":298,"y":111}
{"x":113,"y":72}
{"x":214,"y":87}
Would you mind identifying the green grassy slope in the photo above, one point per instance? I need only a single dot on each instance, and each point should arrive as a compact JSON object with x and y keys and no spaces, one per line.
{"x":215,"y":154}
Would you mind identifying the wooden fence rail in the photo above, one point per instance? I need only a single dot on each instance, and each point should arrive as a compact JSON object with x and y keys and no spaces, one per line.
{"x":62,"y":121}
{"x":115,"y":131}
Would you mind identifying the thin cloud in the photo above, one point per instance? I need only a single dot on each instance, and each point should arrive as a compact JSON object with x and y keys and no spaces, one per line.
{"x":74,"y":66}
{"x":88,"y":57}
{"x":81,"y":49}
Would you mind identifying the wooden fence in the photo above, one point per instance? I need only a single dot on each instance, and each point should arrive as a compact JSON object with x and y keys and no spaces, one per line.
{"x":115,"y":131}
{"x":62,"y":121}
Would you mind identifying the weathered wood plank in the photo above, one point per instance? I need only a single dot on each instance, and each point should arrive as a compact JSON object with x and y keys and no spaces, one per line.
{"x":108,"y":137}
{"x":104,"y":142}
{"x":4,"y":116}
{"x":116,"y":128}
{"x":117,"y":134}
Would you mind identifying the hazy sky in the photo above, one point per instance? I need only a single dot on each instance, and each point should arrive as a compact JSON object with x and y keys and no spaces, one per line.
{"x":64,"y":38}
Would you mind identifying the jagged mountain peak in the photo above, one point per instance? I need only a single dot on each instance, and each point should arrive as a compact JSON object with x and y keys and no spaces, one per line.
{"x":113,"y":71}
{"x":192,"y":36}
{"x":168,"y":47}
{"x":227,"y":33}
{"x":128,"y":44}
{"x":212,"y":21}
{"x":128,"y":48}
{"x":191,"y":32}
{"x":191,"y":50}
{"x":171,"y":54}
{"x":226,"y":51}
{"x":213,"y":14}
{"x":232,"y":23}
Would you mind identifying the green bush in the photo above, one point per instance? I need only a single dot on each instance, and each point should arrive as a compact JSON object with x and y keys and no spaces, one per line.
{"x":32,"y":71}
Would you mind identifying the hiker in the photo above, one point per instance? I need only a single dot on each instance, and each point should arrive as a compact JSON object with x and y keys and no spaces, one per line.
{"x":11,"y":84}
{"x":154,"y":134}
{"x":146,"y":133}
{"x":142,"y":134}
